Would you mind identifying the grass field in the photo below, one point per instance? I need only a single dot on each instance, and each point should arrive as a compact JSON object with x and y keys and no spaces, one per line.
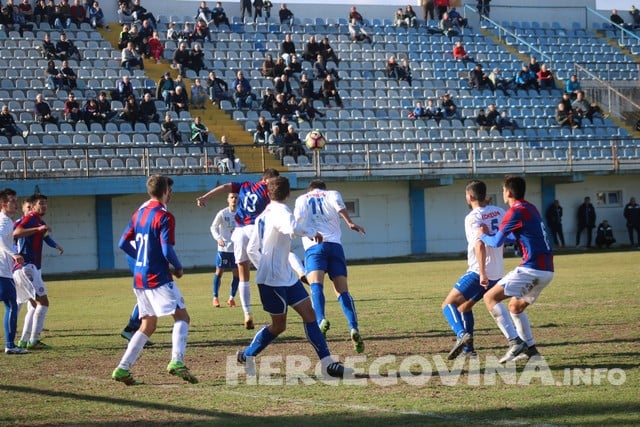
{"x":585,"y":324}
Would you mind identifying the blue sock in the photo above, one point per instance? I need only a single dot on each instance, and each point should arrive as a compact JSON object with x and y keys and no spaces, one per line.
{"x":234,"y":286}
{"x":216,"y":285}
{"x":349,"y":309}
{"x":134,"y":320}
{"x":10,"y":321}
{"x":469,"y":322}
{"x":259,"y":342}
{"x":454,"y":318}
{"x":317,"y":340}
{"x":317,"y":300}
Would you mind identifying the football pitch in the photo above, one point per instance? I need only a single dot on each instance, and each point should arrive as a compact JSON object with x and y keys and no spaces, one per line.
{"x":585,"y":325}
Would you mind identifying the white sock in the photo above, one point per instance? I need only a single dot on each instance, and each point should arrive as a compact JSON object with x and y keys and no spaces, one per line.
{"x":521,"y":322}
{"x":179,"y":340}
{"x":28,"y":322}
{"x":501,"y":316}
{"x":136,"y":344}
{"x":244,"y":289}
{"x":38,"y":322}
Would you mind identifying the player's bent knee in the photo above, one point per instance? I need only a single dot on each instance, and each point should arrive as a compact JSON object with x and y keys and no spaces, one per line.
{"x":517,"y":306}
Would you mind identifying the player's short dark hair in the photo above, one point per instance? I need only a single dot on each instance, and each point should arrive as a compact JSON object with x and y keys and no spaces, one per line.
{"x":478,"y":190}
{"x":516,"y":185}
{"x":317,"y":184}
{"x":35,"y":197}
{"x":270,"y":173}
{"x":158,"y":184}
{"x":6,"y":193}
{"x":279,"y":188}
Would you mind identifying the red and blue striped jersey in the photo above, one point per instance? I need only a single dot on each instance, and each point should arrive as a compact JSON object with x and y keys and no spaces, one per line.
{"x":152,"y":228}
{"x":523,"y":220}
{"x":30,"y":247}
{"x":253,"y":198}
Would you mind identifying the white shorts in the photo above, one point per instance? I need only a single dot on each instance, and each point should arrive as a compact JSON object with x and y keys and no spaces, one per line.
{"x":160,"y":301}
{"x":32,"y":274}
{"x":525,"y":283}
{"x":240,"y":238}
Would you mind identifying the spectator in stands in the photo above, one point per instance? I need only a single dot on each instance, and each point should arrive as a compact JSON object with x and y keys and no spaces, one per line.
{"x":483,"y":8}
{"x":287,"y":48}
{"x":48,"y":49}
{"x":441,"y":7}
{"x":275,"y":141}
{"x":460,"y":54}
{"x":69,"y":77}
{"x":449,"y":107}
{"x":219,"y":15}
{"x":329,"y":90}
{"x":432,"y":111}
{"x":139,"y":13}
{"x":307,"y":112}
{"x":604,"y":235}
{"x":130,"y":58}
{"x":172,"y":32}
{"x":418,"y":112}
{"x":8,"y":126}
{"x":131,"y":110}
{"x":268,"y":67}
{"x":134,"y":37}
{"x":199,"y":132}
{"x":526,"y":79}
{"x":268,"y":99}
{"x":410,"y":17}
{"x":243,"y":95}
{"x":201,"y":32}
{"x":186,"y":34}
{"x":495,"y":81}
{"x":617,"y":19}
{"x":294,"y":68}
{"x":6,"y":20}
{"x":458,"y":20}
{"x":60,"y":19}
{"x":281,"y":108}
{"x":306,"y":87}
{"x":573,"y":86}
{"x":54,"y":76}
{"x":582,"y":108}
{"x":398,"y":18}
{"x":90,"y":112}
{"x":40,"y":13}
{"x":196,"y":58}
{"x":279,"y":68}
{"x":169,"y":132}
{"x":282,"y":85}
{"x":357,"y":31}
{"x":635,"y":17}
{"x":146,"y":30}
{"x":148,"y":110}
{"x":124,"y":13}
{"x":257,"y":10}
{"x":96,"y":17}
{"x":27,"y":10}
{"x":263,"y":130}
{"x":218,"y":89}
{"x":311,"y":49}
{"x":283,"y":124}
{"x":506,"y":122}
{"x":392,"y":69}
{"x":204,"y":13}
{"x":320,"y":69}
{"x":546,"y":79}
{"x":477,"y":78}
{"x":198,"y":95}
{"x":181,"y":59}
{"x":124,"y":88}
{"x":493,"y":115}
{"x":124,"y":37}
{"x":72,"y":112}
{"x":228,"y":161}
{"x":179,"y":100}
{"x":405,"y":71}
{"x":66,"y":49}
{"x":42,"y":111}
{"x":566,"y":100}
{"x":285,"y":15}
{"x":566,"y":117}
{"x":482,"y":121}
{"x":534,"y":65}
{"x":165,"y":88}
{"x":327,"y":51}
{"x":179,"y":82}
{"x":292,"y":144}
{"x":156,"y":48}
{"x":78,"y":13}
{"x":104,"y":108}
{"x":267,"y":5}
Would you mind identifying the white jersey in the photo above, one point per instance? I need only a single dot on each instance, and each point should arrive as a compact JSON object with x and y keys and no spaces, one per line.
{"x":6,"y":246}
{"x":270,"y":245}
{"x":318,"y":209}
{"x":222,"y":227}
{"x":491,"y":216}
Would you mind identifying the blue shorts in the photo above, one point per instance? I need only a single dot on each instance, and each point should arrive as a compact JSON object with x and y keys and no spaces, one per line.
{"x":328,"y":257}
{"x":470,"y":288}
{"x":225,"y":260}
{"x":7,"y":291}
{"x":276,"y":299}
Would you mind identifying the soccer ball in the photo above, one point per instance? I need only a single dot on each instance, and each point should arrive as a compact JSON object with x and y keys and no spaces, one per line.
{"x":315,"y":140}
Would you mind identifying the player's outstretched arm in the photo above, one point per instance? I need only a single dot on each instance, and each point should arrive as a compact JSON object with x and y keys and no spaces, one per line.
{"x":221,"y":189}
{"x":352,"y":225}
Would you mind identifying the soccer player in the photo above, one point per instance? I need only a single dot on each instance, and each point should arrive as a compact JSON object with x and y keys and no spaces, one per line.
{"x":526,"y":281}
{"x":31,"y":231}
{"x":253,"y":198}
{"x":322,"y":209}
{"x":8,"y":257}
{"x":279,"y":287}
{"x":152,"y":228}
{"x":221,"y":229}
{"x":485,"y":268}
